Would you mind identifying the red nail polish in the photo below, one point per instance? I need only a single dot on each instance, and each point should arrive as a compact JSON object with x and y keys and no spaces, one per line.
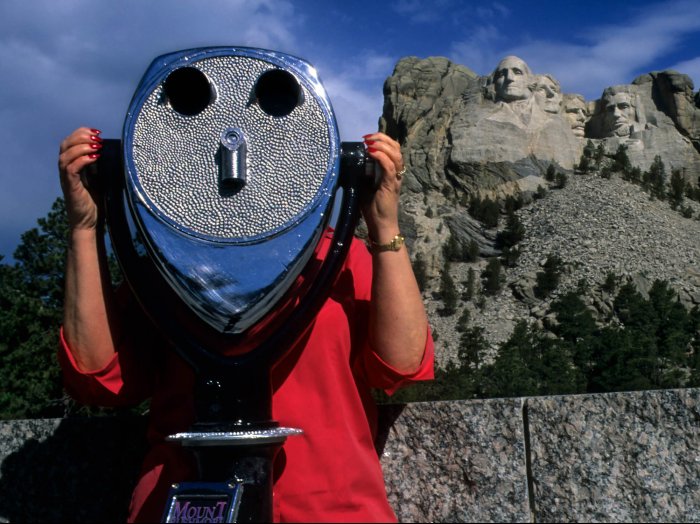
{"x":94,"y":155}
{"x":369,"y":141}
{"x":365,"y":136}
{"x":95,"y":146}
{"x":96,"y":131}
{"x":371,"y":150}
{"x":95,"y":138}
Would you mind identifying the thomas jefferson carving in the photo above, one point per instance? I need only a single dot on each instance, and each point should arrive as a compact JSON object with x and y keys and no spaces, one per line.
{"x":548,"y":93}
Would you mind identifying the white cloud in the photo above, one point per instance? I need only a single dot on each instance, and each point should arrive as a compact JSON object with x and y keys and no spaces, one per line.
{"x":604,"y":55}
{"x":479,"y":52}
{"x":357,"y":111}
{"x":415,"y":11}
{"x":422,"y":12}
{"x":356,"y":93}
{"x":71,"y":63}
{"x":495,"y":9}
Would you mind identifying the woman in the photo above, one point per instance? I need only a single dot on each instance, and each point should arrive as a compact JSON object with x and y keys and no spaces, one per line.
{"x":371,"y":332}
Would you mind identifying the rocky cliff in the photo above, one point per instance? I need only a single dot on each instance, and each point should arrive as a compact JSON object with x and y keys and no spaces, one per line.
{"x":465,"y":136}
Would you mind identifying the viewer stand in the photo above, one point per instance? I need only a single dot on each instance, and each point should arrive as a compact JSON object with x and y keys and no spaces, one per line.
{"x":205,"y":285}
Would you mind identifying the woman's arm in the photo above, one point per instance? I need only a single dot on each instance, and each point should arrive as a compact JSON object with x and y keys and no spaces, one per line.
{"x":398,"y":322}
{"x":89,"y":325}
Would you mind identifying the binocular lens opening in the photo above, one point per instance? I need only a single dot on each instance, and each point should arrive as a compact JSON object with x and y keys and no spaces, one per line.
{"x":188,"y":90}
{"x":277,"y":92}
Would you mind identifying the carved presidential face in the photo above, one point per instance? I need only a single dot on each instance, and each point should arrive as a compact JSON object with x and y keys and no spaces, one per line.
{"x":512,"y":79}
{"x":576,"y":113}
{"x":548,"y":93}
{"x":619,"y":114}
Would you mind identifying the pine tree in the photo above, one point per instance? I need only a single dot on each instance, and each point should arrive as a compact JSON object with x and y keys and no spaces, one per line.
{"x":629,"y":355}
{"x":610,"y":283}
{"x":674,"y":333}
{"x":561,"y":180}
{"x":548,"y":280}
{"x":599,"y":155}
{"x":677,"y":189}
{"x":472,"y":346}
{"x":654,"y":180}
{"x":490,"y":213}
{"x":511,"y":374}
{"x":492,"y":277}
{"x":513,"y":233}
{"x":576,"y":328}
{"x":452,"y":250}
{"x":550,"y":173}
{"x":512,"y":203}
{"x":583,"y":165}
{"x":621,"y":162}
{"x":486,"y":211}
{"x":530,"y":363}
{"x":448,"y":292}
{"x":470,"y":285}
{"x":31,"y":295}
{"x":472,"y":251}
{"x":635,"y":175}
{"x":463,"y":321}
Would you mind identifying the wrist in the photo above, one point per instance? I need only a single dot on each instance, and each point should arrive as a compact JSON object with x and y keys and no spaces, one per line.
{"x":381,"y":234}
{"x":395,"y":244}
{"x":82,"y":235}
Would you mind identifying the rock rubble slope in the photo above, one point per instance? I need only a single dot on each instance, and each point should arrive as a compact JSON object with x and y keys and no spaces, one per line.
{"x":596,"y":226}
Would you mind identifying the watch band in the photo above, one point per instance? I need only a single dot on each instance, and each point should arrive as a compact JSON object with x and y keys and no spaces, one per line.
{"x":394,"y":245}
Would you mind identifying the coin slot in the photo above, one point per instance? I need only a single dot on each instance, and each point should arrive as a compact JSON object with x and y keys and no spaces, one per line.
{"x":278,"y":92}
{"x":188,"y":91}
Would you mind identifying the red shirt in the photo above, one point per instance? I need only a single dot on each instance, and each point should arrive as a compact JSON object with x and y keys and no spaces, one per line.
{"x":322,"y":385}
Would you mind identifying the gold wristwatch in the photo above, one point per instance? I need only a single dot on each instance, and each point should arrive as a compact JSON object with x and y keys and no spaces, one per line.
{"x":394,"y":245}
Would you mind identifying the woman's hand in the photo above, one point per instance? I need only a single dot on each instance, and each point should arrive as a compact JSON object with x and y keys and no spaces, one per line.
{"x":381,"y":211}
{"x":80,"y":149}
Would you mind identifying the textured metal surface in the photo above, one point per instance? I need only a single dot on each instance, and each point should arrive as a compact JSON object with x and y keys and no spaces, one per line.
{"x":175,"y":157}
{"x":229,"y":250}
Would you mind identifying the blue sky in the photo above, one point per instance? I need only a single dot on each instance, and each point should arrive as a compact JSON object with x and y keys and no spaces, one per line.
{"x":66,"y":63}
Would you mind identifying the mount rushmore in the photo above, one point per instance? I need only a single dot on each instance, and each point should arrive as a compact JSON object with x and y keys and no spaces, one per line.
{"x":491,"y":133}
{"x":466,"y":136}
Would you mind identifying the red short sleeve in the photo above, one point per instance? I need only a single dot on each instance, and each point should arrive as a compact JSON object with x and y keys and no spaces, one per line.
{"x":107,"y":386}
{"x":382,"y":375}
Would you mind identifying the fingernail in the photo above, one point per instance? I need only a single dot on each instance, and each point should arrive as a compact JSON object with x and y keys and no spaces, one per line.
{"x":96,"y":146}
{"x":95,"y":138}
{"x":94,"y":155}
{"x":369,"y":141}
{"x":371,"y":150}
{"x":365,"y":136}
{"x":96,"y":131}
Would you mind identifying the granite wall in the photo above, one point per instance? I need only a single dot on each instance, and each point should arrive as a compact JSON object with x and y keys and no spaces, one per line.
{"x":621,"y":457}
